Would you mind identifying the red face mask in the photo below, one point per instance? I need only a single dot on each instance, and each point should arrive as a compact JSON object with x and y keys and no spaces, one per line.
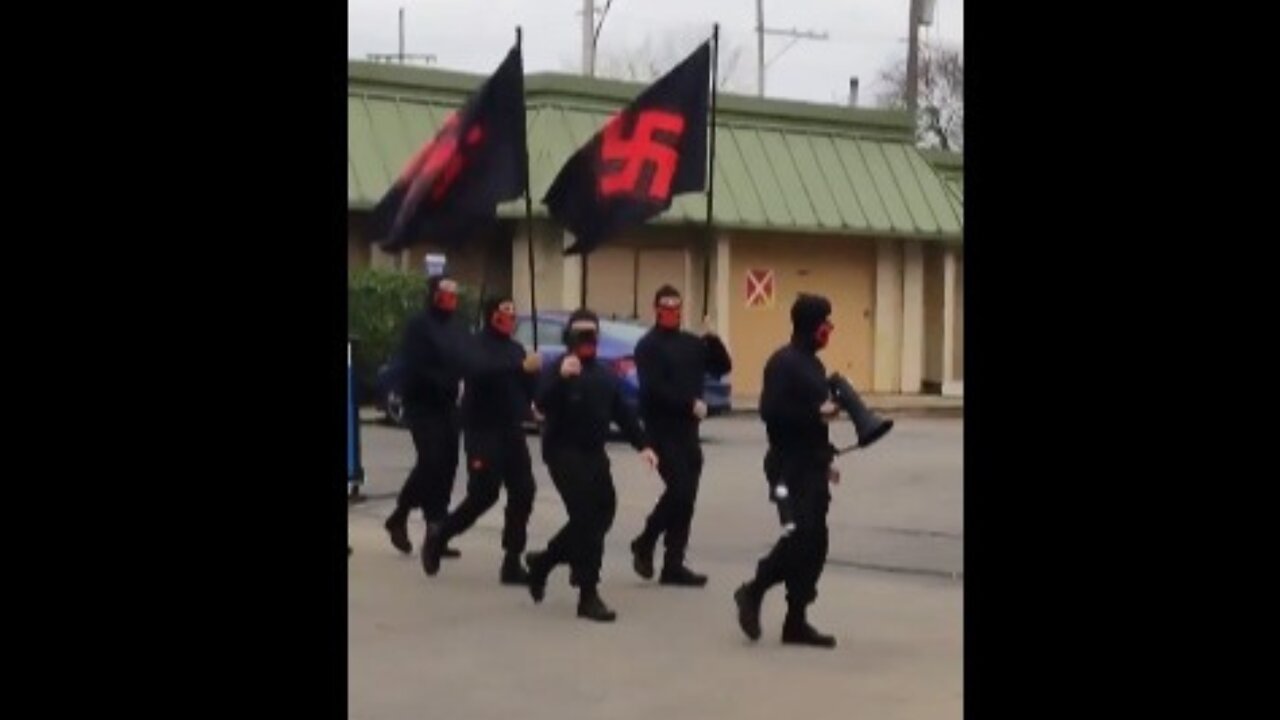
{"x":504,"y":323}
{"x":823,"y":336}
{"x":668,"y":314}
{"x":446,"y":300}
{"x":585,"y":351}
{"x":504,"y":320}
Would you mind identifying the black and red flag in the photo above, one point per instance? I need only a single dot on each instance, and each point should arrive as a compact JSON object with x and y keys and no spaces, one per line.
{"x":653,"y":149}
{"x":476,"y":161}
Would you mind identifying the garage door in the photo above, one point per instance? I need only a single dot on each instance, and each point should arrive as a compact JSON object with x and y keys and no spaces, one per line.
{"x":658,"y":268}
{"x":621,"y":279}
{"x":610,"y":278}
{"x":780,"y":267}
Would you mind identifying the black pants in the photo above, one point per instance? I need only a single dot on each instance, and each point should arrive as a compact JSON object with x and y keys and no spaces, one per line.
{"x":797,"y":559}
{"x":680,"y":465}
{"x":496,"y":459}
{"x":586,"y":486}
{"x":430,"y":482}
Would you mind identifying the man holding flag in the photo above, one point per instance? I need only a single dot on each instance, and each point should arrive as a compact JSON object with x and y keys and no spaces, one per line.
{"x":447,"y":193}
{"x":628,"y":173}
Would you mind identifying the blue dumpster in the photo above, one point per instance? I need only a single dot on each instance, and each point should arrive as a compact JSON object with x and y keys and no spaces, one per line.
{"x":355,"y":471}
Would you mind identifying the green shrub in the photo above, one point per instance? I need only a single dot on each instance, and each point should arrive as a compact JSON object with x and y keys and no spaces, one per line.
{"x":379,"y":302}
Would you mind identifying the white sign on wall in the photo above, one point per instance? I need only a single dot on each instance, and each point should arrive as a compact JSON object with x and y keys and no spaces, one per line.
{"x":433,"y":264}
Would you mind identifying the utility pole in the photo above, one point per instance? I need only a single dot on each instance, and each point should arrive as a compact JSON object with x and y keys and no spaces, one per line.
{"x":588,"y":38}
{"x":760,"y":48}
{"x":400,"y":57}
{"x":920,"y":13}
{"x":913,"y":56}
{"x":761,"y":31}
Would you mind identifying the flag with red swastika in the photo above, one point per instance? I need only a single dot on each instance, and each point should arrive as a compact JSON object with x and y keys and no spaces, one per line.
{"x":453,"y":185}
{"x":652,"y":150}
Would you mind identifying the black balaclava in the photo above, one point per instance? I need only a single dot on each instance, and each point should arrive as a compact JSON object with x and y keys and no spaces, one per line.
{"x":808,"y":314}
{"x":582,"y":343}
{"x":503,"y":324}
{"x":440,"y":305}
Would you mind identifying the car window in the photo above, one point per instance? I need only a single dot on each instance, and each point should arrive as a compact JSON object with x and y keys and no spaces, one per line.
{"x":548,"y":333}
{"x":625,"y":332}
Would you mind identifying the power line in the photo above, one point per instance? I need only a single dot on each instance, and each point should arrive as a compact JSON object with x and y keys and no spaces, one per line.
{"x":761,"y":30}
{"x":400,"y":57}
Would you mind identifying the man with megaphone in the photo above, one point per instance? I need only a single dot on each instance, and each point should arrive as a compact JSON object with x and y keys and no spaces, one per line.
{"x":796,"y":403}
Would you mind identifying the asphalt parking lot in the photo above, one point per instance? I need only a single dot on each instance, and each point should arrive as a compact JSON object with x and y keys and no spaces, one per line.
{"x":461,"y":646}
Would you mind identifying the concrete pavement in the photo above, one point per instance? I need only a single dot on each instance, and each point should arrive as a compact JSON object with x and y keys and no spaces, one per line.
{"x":460,"y":646}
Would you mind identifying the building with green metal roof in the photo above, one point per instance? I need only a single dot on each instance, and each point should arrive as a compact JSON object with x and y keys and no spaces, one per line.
{"x":818,"y":198}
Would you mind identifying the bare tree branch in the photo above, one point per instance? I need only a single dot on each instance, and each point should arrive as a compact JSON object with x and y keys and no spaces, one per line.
{"x":650,"y":60}
{"x":940,"y":119}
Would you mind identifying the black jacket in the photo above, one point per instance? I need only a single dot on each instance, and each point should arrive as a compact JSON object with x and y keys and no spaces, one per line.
{"x":578,"y":410}
{"x":795,"y":386}
{"x":497,"y":389}
{"x":672,"y":365}
{"x":432,"y":366}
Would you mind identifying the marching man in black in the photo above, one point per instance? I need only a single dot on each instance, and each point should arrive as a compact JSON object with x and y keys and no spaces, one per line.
{"x":795,"y":407}
{"x":430,"y":394}
{"x":579,"y":399}
{"x":672,"y":364}
{"x":499,"y":384}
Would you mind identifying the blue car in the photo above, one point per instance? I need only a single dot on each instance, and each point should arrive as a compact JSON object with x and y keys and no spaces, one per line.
{"x":616,"y":349}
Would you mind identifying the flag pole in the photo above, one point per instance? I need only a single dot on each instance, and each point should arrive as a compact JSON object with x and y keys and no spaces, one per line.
{"x":711,"y":178}
{"x":528,"y":210}
{"x":484,"y":283}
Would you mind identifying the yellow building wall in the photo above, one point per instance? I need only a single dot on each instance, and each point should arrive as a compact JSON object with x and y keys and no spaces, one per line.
{"x":843,"y":269}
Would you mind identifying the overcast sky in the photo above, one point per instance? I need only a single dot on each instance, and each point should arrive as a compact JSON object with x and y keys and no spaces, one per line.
{"x":472,"y":35}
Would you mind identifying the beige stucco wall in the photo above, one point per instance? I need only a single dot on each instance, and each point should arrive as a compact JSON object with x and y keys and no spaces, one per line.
{"x":611,"y":274}
{"x":958,"y":369}
{"x":622,"y":276}
{"x":887,"y":375}
{"x":933,"y":316}
{"x":549,"y":267}
{"x":483,"y":256}
{"x":841,"y":268}
{"x":481,"y":262}
{"x":912,"y":353}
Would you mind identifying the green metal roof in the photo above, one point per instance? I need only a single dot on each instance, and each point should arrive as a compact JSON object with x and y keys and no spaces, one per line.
{"x":950,"y":167}
{"x":780,"y":165}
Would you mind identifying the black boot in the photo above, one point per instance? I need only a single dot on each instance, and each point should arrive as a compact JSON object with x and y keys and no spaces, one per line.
{"x":642,"y":557}
{"x":432,"y":548}
{"x":398,"y":527}
{"x":681,"y":576}
{"x":796,"y":630}
{"x":591,"y":607}
{"x":538,"y":571}
{"x":513,"y":572}
{"x":446,"y":552}
{"x":748,"y":600}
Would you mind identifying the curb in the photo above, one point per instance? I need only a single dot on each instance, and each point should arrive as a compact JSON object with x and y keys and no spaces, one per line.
{"x":370,"y":417}
{"x":938,"y":411}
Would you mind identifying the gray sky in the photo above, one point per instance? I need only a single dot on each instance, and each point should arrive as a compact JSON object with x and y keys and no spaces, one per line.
{"x":472,"y":35}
